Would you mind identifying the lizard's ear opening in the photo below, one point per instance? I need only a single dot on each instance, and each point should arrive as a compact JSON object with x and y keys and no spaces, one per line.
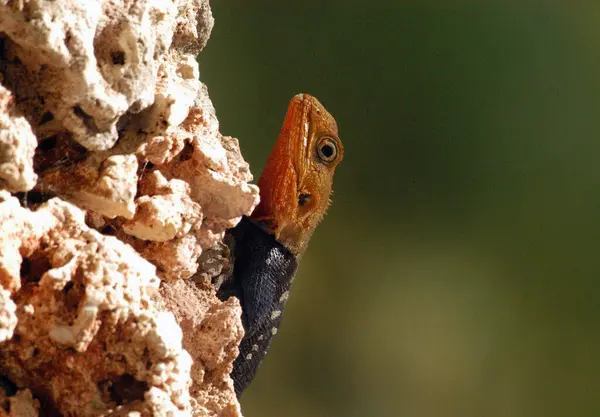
{"x":304,"y":200}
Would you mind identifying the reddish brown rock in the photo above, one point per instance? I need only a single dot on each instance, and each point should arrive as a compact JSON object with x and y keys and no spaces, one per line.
{"x":129,"y":190}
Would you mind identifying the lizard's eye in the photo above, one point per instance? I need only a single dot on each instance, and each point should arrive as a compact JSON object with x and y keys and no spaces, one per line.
{"x":327,"y":149}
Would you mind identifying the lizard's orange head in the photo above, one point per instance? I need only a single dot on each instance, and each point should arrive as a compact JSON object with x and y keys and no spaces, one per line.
{"x":296,"y":183}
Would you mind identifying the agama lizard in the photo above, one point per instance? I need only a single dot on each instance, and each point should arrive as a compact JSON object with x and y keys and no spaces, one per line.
{"x":295,"y":187}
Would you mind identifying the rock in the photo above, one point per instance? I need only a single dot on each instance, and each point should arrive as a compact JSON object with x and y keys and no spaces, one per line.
{"x":17,"y":145}
{"x":124,"y":180}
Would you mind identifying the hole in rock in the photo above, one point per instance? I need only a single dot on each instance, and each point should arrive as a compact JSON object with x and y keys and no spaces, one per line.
{"x":46,"y":117}
{"x":187,"y":152}
{"x":68,"y":286}
{"x":48,"y":143}
{"x":33,"y":268}
{"x":33,"y":197}
{"x":108,"y":230}
{"x":73,"y":292}
{"x":8,"y":386}
{"x":118,"y":57}
{"x":87,"y":120}
{"x":123,"y":389}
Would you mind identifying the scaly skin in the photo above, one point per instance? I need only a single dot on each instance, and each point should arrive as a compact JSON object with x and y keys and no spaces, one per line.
{"x":295,"y":187}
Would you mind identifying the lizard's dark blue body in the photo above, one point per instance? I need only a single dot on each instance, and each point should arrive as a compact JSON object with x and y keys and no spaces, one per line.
{"x":262,"y":274}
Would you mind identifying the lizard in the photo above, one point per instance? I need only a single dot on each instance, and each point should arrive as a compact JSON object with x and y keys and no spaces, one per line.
{"x":295,"y":188}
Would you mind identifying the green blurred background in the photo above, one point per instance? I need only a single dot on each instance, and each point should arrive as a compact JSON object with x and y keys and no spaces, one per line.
{"x":457,"y":273}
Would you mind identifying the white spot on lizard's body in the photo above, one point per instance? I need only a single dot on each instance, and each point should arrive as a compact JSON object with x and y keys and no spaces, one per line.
{"x":261,"y":337}
{"x":274,"y":331}
{"x":275,"y":314}
{"x":284,"y":297}
{"x":249,"y":356}
{"x":255,"y":348}
{"x":271,"y":257}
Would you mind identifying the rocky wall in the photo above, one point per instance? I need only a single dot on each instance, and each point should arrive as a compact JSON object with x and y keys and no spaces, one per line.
{"x":116,"y":188}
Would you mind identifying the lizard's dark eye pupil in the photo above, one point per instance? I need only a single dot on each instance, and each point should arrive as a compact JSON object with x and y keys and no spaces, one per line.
{"x":327,"y":149}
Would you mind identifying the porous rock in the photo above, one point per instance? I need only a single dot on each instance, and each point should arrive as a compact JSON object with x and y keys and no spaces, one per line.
{"x":17,"y":145}
{"x":19,"y":404}
{"x":211,"y":333}
{"x":85,"y":322}
{"x":126,"y":187}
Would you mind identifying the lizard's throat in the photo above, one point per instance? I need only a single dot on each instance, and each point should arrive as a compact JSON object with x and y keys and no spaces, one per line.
{"x":290,"y":235}
{"x":287,"y":232}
